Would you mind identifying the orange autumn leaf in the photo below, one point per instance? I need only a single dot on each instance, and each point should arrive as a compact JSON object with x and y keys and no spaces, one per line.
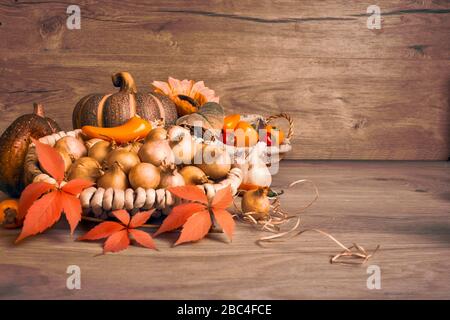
{"x":195,"y":216}
{"x":75,"y":186}
{"x":102,"y":230}
{"x":72,"y":209}
{"x":50,"y":160}
{"x":42,"y":214}
{"x":191,"y":193}
{"x":178,"y":216}
{"x":225,"y":220}
{"x":195,"y":228}
{"x":117,"y":242}
{"x":143,"y":238}
{"x":118,"y":233}
{"x":223,"y":198}
{"x":30,"y":194}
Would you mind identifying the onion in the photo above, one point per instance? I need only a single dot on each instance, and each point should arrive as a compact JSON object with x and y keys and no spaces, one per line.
{"x":255,"y":171}
{"x":215,"y":162}
{"x":170,"y":177}
{"x":182,"y":144}
{"x":114,"y":178}
{"x":134,"y":147}
{"x":74,"y":147}
{"x":193,"y":175}
{"x":100,"y":150}
{"x":256,"y":201}
{"x":155,"y":152}
{"x":144,"y":175}
{"x":85,"y":168}
{"x":91,"y":142}
{"x":67,"y":160}
{"x":126,"y":159}
{"x":158,"y":133}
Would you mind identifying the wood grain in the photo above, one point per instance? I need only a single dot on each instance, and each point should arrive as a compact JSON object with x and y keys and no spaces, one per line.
{"x":354,"y":93}
{"x":402,"y":206}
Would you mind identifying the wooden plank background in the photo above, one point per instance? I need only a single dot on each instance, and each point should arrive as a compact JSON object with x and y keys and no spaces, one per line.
{"x":354,"y":93}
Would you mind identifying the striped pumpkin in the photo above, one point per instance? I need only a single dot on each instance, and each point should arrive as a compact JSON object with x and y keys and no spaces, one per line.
{"x":111,"y":110}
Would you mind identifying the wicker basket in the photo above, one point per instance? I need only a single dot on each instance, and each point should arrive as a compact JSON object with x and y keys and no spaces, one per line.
{"x":101,"y":202}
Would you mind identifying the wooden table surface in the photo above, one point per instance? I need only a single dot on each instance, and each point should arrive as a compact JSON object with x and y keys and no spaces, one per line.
{"x":402,"y":206}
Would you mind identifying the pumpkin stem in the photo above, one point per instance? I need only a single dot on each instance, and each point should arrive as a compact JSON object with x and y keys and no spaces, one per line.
{"x":125,"y":81}
{"x":38,"y":109}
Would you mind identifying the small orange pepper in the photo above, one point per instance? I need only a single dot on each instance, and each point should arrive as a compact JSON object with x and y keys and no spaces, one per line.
{"x":11,"y":204}
{"x":134,"y":129}
{"x":247,"y":186}
{"x":245,"y":135}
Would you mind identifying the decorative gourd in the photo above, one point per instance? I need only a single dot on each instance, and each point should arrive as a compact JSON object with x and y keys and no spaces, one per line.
{"x":14,"y":146}
{"x":112,"y":110}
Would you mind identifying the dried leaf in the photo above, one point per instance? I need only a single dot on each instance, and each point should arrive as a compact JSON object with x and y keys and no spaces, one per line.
{"x":191,"y":193}
{"x":195,"y":228}
{"x":72,"y":209}
{"x":140,"y":218}
{"x":178,"y":216}
{"x":123,"y":216}
{"x":42,"y":214}
{"x":30,"y":194}
{"x":223,"y":198}
{"x":143,"y":238}
{"x":225,"y":220}
{"x":102,"y":230}
{"x":50,"y":160}
{"x":75,"y":186}
{"x":117,"y":242}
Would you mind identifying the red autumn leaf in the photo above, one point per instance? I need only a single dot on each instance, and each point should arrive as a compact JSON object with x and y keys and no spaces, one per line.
{"x":30,"y":194}
{"x":195,"y":228}
{"x":102,"y":230}
{"x":42,"y":214}
{"x":117,"y":242}
{"x":50,"y":160}
{"x":178,"y":216}
{"x":143,"y":238}
{"x":140,"y":218}
{"x":122,"y":216}
{"x":118,"y":232}
{"x":225,"y":220}
{"x":72,"y":209}
{"x":191,"y":193}
{"x":75,"y":186}
{"x":223,"y":198}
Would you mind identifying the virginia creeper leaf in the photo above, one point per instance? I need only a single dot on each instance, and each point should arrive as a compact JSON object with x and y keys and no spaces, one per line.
{"x":195,"y":228}
{"x":123,"y":216}
{"x":30,"y":194}
{"x":143,"y":238}
{"x":50,"y":160}
{"x":191,"y":193}
{"x":42,"y":214}
{"x":178,"y":216}
{"x":117,"y":242}
{"x":75,"y":186}
{"x":223,"y":198}
{"x":72,"y":209}
{"x":225,"y":220}
{"x":102,"y":230}
{"x":140,"y":218}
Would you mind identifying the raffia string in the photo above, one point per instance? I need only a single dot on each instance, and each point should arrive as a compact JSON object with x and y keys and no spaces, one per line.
{"x":350,"y":255}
